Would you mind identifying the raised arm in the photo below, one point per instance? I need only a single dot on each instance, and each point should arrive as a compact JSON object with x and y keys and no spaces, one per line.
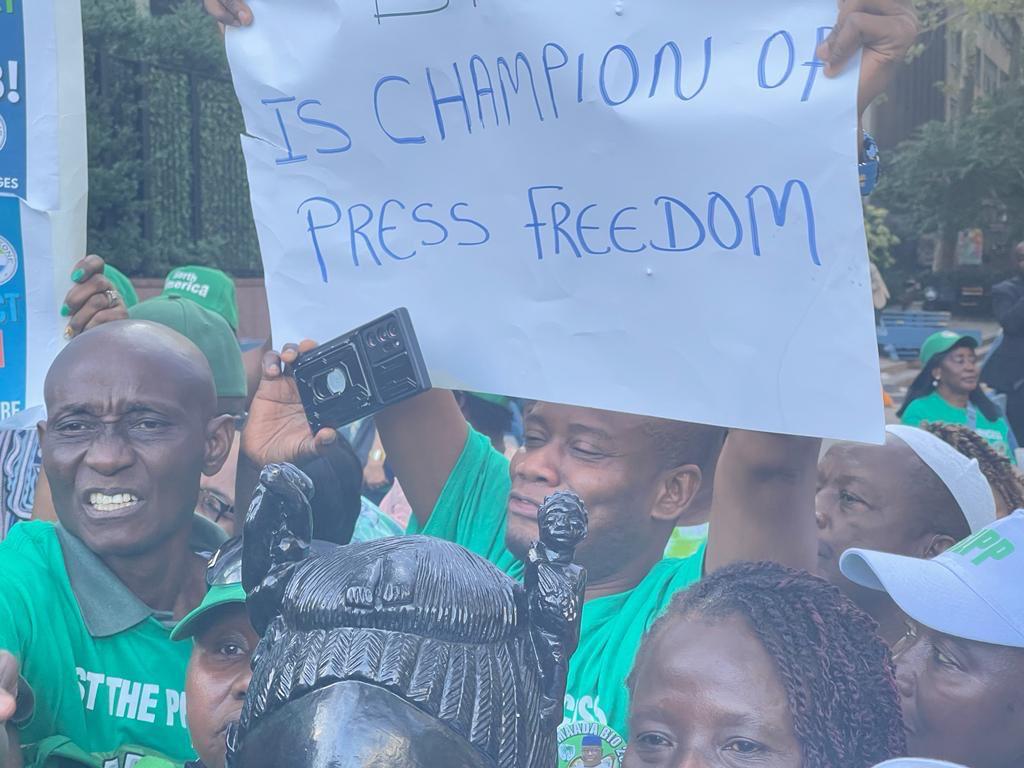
{"x":423,"y":437}
{"x":233,"y":13}
{"x":763,"y":505}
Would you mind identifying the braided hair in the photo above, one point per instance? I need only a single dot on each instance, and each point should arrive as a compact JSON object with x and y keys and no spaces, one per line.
{"x":1000,"y":473}
{"x":837,"y":672}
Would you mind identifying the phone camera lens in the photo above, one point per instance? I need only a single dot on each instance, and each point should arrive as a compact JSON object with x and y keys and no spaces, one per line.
{"x":337,"y":381}
{"x":331,"y":384}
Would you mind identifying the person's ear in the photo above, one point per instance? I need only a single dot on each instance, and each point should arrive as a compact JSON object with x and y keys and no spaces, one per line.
{"x":936,"y":544}
{"x":676,"y":489}
{"x":220,"y":434}
{"x":41,"y":431}
{"x":937,"y":373}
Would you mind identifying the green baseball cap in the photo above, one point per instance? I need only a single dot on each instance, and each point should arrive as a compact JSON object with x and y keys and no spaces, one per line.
{"x":943,"y":341}
{"x":216,"y":596}
{"x":210,"y":288}
{"x":224,"y":587}
{"x":208,"y":331}
{"x":122,"y":285}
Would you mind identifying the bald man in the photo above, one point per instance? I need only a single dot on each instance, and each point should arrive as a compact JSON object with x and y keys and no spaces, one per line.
{"x":88,"y":603}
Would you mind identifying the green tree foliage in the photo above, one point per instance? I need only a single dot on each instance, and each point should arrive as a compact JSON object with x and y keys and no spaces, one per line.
{"x":962,"y":13}
{"x":141,"y":159}
{"x":881,"y":239}
{"x":950,"y":177}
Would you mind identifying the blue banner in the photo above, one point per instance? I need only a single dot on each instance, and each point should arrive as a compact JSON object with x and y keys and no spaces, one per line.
{"x":12,"y":308}
{"x":13,"y":134}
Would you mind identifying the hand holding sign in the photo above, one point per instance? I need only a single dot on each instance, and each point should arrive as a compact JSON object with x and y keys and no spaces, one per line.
{"x":234,"y":13}
{"x":92,"y":300}
{"x":580,"y":192}
{"x":885,"y":29}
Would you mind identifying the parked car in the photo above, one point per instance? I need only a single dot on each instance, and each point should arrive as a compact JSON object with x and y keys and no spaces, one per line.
{"x":964,"y":291}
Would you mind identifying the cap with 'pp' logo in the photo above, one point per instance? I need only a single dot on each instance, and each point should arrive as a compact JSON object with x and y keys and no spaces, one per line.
{"x":971,"y":590}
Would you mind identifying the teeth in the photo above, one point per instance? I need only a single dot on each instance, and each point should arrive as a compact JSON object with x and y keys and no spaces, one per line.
{"x":104,"y":502}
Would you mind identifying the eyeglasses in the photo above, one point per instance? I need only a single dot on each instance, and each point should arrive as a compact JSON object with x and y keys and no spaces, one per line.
{"x":908,"y":639}
{"x":215,"y":506}
{"x":225,"y":567}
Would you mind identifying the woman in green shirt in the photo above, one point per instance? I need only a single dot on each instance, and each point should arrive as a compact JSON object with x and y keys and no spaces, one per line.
{"x":947,"y":391}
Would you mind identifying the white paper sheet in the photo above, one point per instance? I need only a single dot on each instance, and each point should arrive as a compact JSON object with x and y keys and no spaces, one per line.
{"x":602,"y":234}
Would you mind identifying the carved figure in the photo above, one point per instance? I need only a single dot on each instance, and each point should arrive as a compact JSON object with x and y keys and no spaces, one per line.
{"x":408,"y":652}
{"x":555,"y":587}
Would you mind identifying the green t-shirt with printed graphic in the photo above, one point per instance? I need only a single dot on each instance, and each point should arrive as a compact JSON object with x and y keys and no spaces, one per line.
{"x":471,"y":511}
{"x":103,"y":668}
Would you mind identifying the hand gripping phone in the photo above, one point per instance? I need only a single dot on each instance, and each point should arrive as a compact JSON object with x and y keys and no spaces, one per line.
{"x":361,"y":372}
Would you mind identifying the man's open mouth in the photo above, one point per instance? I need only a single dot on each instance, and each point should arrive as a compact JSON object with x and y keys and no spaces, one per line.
{"x":108,"y":503}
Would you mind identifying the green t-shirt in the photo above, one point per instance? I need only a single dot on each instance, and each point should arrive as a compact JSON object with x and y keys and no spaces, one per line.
{"x":471,"y":512}
{"x":60,"y":752}
{"x":104,"y":670}
{"x":934,"y":408}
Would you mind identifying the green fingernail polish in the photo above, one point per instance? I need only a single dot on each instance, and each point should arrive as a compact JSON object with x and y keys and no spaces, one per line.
{"x":65,"y":310}
{"x":77,"y":275}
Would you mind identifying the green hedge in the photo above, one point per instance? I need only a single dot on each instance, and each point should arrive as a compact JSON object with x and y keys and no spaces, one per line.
{"x":144,"y":167}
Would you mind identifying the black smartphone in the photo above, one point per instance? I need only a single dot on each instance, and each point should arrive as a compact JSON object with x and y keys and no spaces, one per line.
{"x":364,"y":371}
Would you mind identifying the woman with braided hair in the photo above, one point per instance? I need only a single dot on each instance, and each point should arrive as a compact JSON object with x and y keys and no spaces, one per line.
{"x":764,"y":666}
{"x":1006,"y":481}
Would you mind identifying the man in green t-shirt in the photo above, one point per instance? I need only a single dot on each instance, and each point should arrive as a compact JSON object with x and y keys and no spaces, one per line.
{"x":637,"y":476}
{"x":88,"y":604}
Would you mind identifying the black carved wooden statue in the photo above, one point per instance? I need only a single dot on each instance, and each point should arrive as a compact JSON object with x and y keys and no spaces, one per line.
{"x":407,"y":652}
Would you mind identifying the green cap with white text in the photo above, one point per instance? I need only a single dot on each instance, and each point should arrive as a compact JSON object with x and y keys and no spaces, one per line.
{"x":210,"y":288}
{"x":971,"y":591}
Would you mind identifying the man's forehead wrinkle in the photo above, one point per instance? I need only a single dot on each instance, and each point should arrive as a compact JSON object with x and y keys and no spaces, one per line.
{"x":115,"y":404}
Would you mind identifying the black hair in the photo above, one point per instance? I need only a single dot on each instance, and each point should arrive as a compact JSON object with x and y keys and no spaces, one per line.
{"x":488,"y":418}
{"x":837,"y":672}
{"x":925,"y":384}
{"x":681,"y":442}
{"x":1000,"y":473}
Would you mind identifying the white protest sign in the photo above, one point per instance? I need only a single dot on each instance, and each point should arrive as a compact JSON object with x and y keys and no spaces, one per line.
{"x":43,"y":187}
{"x":649,"y":207}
